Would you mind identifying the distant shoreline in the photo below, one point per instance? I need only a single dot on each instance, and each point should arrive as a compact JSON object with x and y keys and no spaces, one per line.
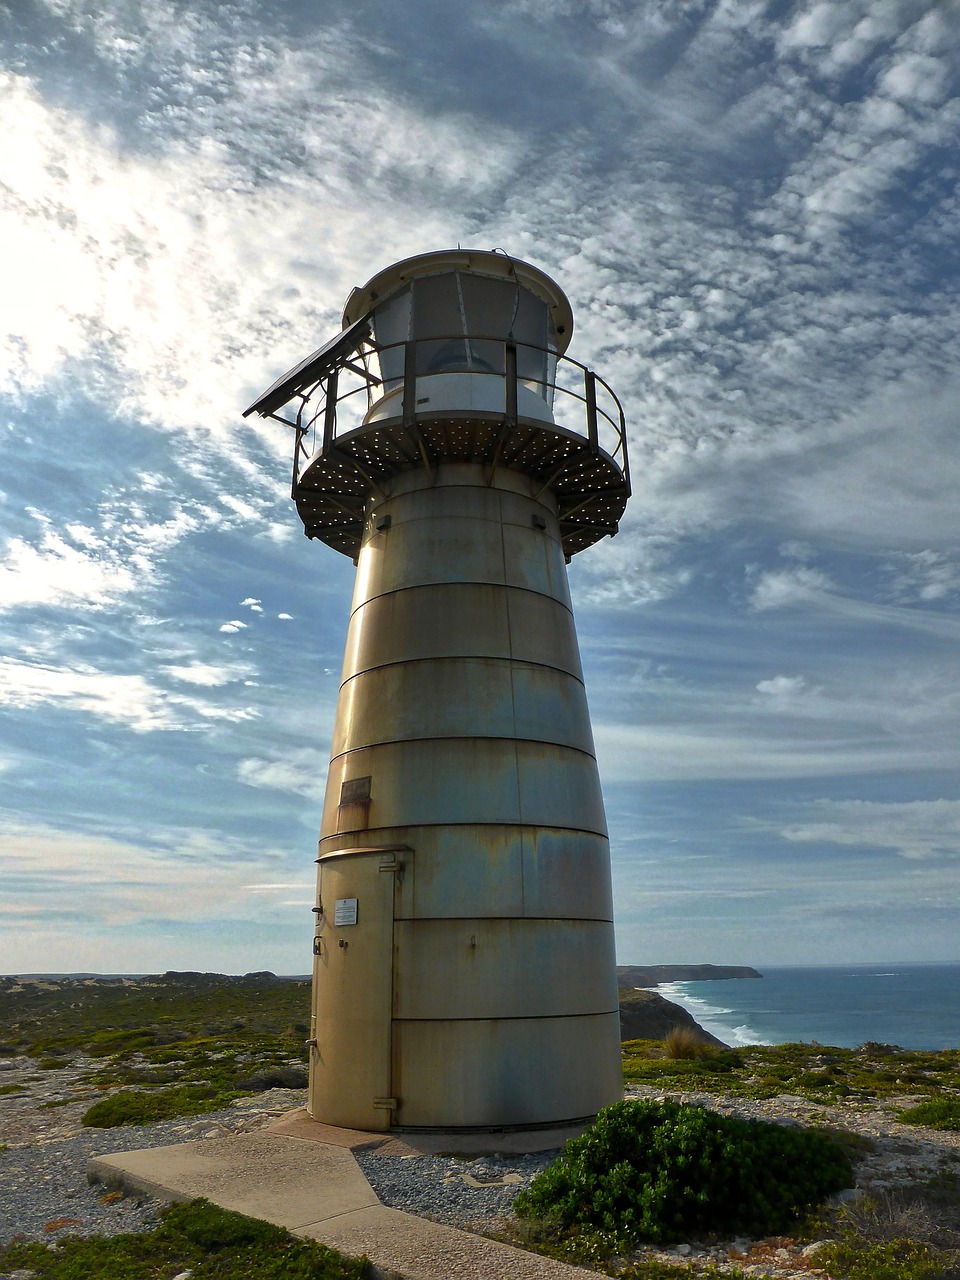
{"x":652,"y":975}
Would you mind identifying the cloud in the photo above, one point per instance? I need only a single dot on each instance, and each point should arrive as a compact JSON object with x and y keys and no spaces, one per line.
{"x":788,"y":588}
{"x":782,"y":688}
{"x":130,"y":880}
{"x":233,"y":626}
{"x":915,"y":77}
{"x":300,"y":772}
{"x":925,"y":576}
{"x":917,"y":829}
{"x":128,"y":700}
{"x":203,"y":673}
{"x":57,"y":573}
{"x":150,"y":268}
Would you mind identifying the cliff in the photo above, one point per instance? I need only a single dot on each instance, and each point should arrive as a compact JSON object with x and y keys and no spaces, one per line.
{"x":651,"y":975}
{"x":646,"y":1016}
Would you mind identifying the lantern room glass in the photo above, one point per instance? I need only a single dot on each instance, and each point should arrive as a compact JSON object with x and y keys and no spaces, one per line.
{"x":461,"y":323}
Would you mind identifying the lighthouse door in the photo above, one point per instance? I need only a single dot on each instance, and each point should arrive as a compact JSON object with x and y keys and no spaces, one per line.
{"x":350,"y":1061}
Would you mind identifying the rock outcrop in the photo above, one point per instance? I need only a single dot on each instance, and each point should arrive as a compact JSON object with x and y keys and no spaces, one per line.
{"x":644,"y":1015}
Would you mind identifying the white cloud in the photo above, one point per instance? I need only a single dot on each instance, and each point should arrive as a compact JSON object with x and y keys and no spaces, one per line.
{"x":300,"y":772}
{"x":915,"y":77}
{"x":925,"y":575}
{"x":788,"y":588}
{"x":245,"y":510}
{"x":285,"y":617}
{"x":56,"y":573}
{"x":154,"y":274}
{"x":203,"y":673}
{"x":915,"y":829}
{"x":233,"y":626}
{"x":815,"y":27}
{"x":128,"y":700}
{"x":782,"y":688}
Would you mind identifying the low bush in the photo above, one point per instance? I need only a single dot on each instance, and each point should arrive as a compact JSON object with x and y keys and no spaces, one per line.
{"x":274,"y":1078}
{"x":196,"y":1238}
{"x":138,"y":1106}
{"x":940,"y":1113}
{"x":685,"y":1042}
{"x":663,"y":1171}
{"x":892,"y":1260}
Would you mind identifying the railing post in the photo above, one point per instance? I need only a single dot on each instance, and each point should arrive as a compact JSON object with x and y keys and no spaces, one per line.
{"x":330,"y":410}
{"x":590,"y":395}
{"x":510,"y":372}
{"x":299,"y":433}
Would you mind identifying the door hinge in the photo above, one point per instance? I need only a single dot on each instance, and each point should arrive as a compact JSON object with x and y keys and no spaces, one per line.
{"x":388,"y":1104}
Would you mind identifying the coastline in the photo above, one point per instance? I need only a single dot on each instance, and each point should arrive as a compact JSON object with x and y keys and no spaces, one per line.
{"x":912,"y":1006}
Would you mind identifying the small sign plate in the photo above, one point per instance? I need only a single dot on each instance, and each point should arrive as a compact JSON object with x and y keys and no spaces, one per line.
{"x":355,"y":791}
{"x":345,"y":912}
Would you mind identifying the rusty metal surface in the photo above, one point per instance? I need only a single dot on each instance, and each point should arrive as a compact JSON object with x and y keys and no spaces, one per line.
{"x":479,"y":620}
{"x":350,"y":1050}
{"x":471,"y":780}
{"x":462,"y":703}
{"x":439,"y":699}
{"x":498,"y":869}
{"x":507,"y":1071}
{"x":466,"y":532}
{"x":503,"y":968}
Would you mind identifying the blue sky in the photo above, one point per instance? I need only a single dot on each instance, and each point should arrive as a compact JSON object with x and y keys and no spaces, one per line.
{"x":753,"y":209}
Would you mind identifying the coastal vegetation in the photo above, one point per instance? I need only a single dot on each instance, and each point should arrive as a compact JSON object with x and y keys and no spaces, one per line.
{"x":663,"y":1171}
{"x":173,"y":1044}
{"x":199,"y":1239}
{"x":815,"y":1073}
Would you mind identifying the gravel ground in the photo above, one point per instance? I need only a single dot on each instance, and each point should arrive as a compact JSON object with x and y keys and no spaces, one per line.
{"x":459,"y":1192}
{"x":44,"y":1193}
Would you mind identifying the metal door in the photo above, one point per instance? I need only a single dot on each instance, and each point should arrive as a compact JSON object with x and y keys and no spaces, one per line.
{"x":350,"y":1061}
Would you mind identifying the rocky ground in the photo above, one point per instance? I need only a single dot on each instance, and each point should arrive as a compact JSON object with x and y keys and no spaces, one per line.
{"x":46,"y":1116}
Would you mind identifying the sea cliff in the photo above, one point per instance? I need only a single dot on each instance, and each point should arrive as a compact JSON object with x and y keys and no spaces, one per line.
{"x":651,"y":975}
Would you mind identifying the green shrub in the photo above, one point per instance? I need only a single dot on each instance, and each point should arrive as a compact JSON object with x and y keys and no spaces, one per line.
{"x":941,"y":1113}
{"x":274,"y":1078}
{"x":197,"y":1237}
{"x":137,"y":1106}
{"x":661,"y":1171}
{"x":891,"y":1260}
{"x":213,"y":1228}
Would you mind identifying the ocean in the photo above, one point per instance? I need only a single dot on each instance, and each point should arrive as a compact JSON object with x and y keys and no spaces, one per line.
{"x":915,"y":1006}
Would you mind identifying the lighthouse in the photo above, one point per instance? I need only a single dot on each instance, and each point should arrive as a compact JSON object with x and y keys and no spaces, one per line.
{"x":464,"y":971}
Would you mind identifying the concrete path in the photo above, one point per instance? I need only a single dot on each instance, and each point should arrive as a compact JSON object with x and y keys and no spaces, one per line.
{"x":302,"y":1176}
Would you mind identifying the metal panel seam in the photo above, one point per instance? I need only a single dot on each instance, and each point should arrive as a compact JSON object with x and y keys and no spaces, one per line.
{"x":518,"y":1017}
{"x":461,"y":582}
{"x":460,"y":737}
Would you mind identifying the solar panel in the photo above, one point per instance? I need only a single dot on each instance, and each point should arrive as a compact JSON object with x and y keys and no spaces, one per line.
{"x":311,"y":369}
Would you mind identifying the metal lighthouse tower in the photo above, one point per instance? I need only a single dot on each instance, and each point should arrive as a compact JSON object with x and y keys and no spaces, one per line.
{"x":464,"y":970}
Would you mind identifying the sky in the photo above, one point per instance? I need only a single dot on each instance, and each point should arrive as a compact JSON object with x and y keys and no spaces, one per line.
{"x":752,"y":206}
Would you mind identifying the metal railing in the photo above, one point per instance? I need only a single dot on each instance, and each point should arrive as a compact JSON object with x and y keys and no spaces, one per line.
{"x":339,"y":402}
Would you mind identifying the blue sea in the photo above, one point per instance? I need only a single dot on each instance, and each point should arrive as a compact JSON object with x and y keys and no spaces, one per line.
{"x":915,"y":1006}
